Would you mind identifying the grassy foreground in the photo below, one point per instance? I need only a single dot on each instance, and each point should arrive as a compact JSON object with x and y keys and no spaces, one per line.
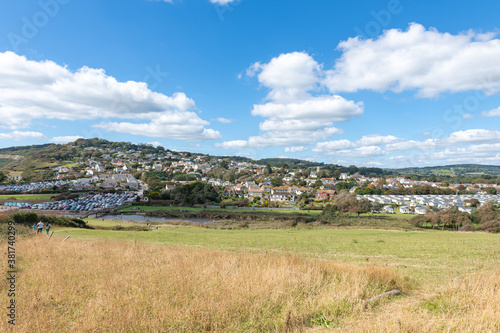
{"x":192,"y":279}
{"x":429,"y":257}
{"x":78,"y":286}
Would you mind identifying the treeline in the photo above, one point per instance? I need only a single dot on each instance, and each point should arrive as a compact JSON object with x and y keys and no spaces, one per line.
{"x":485,"y":218}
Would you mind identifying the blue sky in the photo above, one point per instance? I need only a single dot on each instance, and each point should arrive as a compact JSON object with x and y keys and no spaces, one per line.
{"x":370,"y":83}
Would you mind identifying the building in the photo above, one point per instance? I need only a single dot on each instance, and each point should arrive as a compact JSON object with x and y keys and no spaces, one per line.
{"x":388,"y":209}
{"x":404,"y":209}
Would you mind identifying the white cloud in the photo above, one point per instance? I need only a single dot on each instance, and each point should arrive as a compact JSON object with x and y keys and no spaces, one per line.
{"x":45,"y":90}
{"x":471,"y":136}
{"x":425,"y":60}
{"x":155,"y":144}
{"x":248,"y":155}
{"x":366,"y":141}
{"x":65,"y":139}
{"x":361,"y":152}
{"x":468,"y":116}
{"x":280,"y":139}
{"x":290,"y":76}
{"x":178,"y":125}
{"x":294,"y":116}
{"x":295,"y":149}
{"x":480,"y":154}
{"x":222,"y":2}
{"x":491,"y":113}
{"x":224,"y":120}
{"x":468,"y":146}
{"x":325,"y":147}
{"x":20,"y":135}
{"x":324,"y":108}
{"x":376,"y":139}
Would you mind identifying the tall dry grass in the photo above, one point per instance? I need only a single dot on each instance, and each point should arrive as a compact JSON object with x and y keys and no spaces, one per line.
{"x":468,"y":304}
{"x":77,"y":286}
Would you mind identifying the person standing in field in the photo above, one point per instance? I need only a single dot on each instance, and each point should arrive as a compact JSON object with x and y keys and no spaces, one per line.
{"x":34,"y":227}
{"x":47,"y":227}
{"x":40,"y":227}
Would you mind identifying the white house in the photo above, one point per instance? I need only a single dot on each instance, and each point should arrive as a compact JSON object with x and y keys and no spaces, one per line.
{"x":388,"y":209}
{"x":420,"y":210}
{"x":404,"y":209}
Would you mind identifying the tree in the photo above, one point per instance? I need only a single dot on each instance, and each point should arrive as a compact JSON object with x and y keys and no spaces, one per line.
{"x":473,"y":202}
{"x":329,"y":212}
{"x":268,"y":170}
{"x":276,"y":181}
{"x":490,"y":190}
{"x":344,"y":201}
{"x":360,"y":207}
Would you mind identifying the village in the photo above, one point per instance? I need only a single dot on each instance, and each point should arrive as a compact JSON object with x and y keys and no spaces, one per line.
{"x":149,"y":173}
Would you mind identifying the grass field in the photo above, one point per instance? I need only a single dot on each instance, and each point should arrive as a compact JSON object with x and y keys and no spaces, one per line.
{"x":425,"y":256}
{"x":186,"y":279}
{"x":27,"y":197}
{"x":117,"y":287}
{"x":110,"y":223}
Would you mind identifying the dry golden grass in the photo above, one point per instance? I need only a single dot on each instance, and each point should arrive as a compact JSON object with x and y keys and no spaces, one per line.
{"x":77,"y":286}
{"x":470,"y":304}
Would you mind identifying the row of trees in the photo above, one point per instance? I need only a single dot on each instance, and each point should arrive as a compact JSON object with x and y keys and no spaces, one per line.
{"x":486,"y":217}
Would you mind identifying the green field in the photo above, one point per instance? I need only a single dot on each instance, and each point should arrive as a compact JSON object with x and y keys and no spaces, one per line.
{"x":27,"y":197}
{"x":110,"y":223}
{"x":430,"y":258}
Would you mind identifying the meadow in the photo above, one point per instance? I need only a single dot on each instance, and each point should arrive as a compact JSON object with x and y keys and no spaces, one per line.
{"x":27,"y":197}
{"x":305,"y":278}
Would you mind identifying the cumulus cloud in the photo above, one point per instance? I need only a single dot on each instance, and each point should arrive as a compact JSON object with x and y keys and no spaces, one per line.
{"x":471,"y":146}
{"x":427,"y":61}
{"x":45,"y":90}
{"x":280,"y":139}
{"x":66,"y":139}
{"x":294,"y":114}
{"x":361,"y":152}
{"x":222,"y":2}
{"x":365,"y":141}
{"x":176,"y":125}
{"x":295,"y":149}
{"x":224,"y":120}
{"x":491,"y":113}
{"x":20,"y":135}
{"x":155,"y":144}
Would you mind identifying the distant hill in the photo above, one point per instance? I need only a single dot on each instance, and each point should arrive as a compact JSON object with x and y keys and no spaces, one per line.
{"x":290,"y":162}
{"x":452,"y":170}
{"x":23,"y":150}
{"x":37,"y":161}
